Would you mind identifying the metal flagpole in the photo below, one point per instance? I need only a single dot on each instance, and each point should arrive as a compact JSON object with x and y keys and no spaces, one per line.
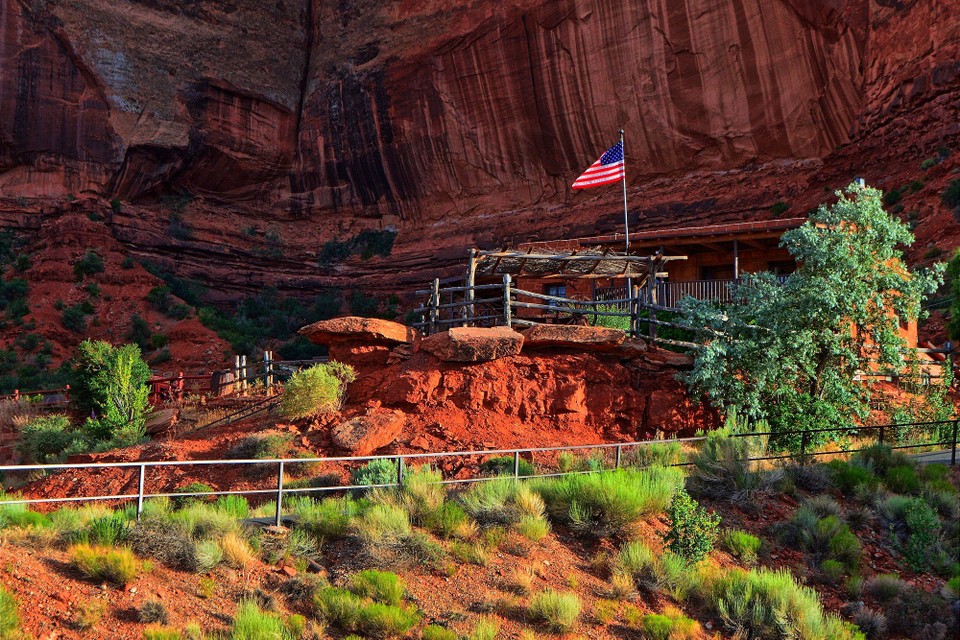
{"x":626,"y":221}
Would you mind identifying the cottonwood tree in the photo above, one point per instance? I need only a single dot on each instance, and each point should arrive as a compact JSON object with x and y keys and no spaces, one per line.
{"x":790,"y":353}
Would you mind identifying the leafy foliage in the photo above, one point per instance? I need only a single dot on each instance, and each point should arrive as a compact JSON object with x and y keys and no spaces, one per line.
{"x":111,"y":384}
{"x":788,"y":353}
{"x":315,"y":390}
{"x":693,"y":529}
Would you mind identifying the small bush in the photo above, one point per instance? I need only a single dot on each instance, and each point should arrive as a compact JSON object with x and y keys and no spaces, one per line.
{"x":236,"y":551}
{"x":382,"y":471}
{"x":108,"y":530}
{"x":434,"y":632}
{"x":504,"y":466}
{"x":779,"y":208}
{"x":91,"y":263}
{"x":118,"y":566}
{"x":74,"y":319}
{"x":382,"y":586}
{"x":848,"y":477}
{"x":885,"y":587}
{"x":558,"y":611}
{"x":250,"y":623}
{"x":872,"y":623}
{"x":902,"y":479}
{"x":741,"y":545}
{"x":692,"y":529}
{"x":327,"y":519}
{"x":315,"y":390}
{"x":533,"y":528}
{"x":486,"y":628}
{"x":951,"y":195}
{"x":207,"y":555}
{"x":608,"y":503}
{"x":769,"y":604}
{"x":153,"y":611}
{"x":832,"y":571}
{"x":383,"y":530}
{"x":9,"y":616}
{"x":44,"y":439}
{"x":447,"y":520}
{"x":928,"y":163}
{"x":387,"y":621}
{"x":722,"y":470}
{"x":670,"y":625}
{"x":339,"y":606}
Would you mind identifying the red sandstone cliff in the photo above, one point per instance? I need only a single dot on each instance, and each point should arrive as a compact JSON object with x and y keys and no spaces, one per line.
{"x":458,"y":123}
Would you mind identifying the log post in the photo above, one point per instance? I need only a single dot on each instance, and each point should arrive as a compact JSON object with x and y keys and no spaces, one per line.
{"x":435,"y":305}
{"x":471,"y":283}
{"x":507,"y":316}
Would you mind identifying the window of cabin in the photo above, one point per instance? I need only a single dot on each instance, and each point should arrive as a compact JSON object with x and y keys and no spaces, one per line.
{"x":557,"y":290}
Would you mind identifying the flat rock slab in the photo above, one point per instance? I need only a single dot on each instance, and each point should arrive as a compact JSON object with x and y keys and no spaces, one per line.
{"x":356,"y":329}
{"x":562,"y":335}
{"x":363,"y":435}
{"x":473,"y":344}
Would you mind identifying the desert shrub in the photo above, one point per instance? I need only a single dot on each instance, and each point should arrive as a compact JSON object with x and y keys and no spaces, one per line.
{"x":470,"y":552}
{"x":722,"y":470}
{"x":662,"y":454}
{"x":156,"y":536}
{"x":664,"y":573}
{"x":382,"y":471}
{"x":532,"y":527}
{"x":917,"y":528}
{"x":885,"y":587}
{"x":435,"y":632}
{"x":339,"y":606}
{"x":879,"y":458}
{"x":872,"y":623}
{"x":741,"y":545}
{"x":250,"y":623}
{"x":423,"y":493}
{"x":902,"y":479}
{"x":109,"y":564}
{"x":74,"y":319}
{"x":315,"y":390}
{"x":832,"y":570}
{"x":237,"y":551}
{"x":558,"y":611}
{"x":89,"y":264}
{"x":824,"y":506}
{"x":607,"y":503}
{"x":383,"y":530}
{"x":381,"y":586}
{"x":486,"y":628}
{"x":951,"y":195}
{"x":669,"y":625}
{"x":202,"y":520}
{"x":848,"y":477}
{"x":387,"y":621}
{"x":824,"y":538}
{"x":153,"y":611}
{"x":45,"y":439}
{"x":692,"y":529}
{"x":235,"y":506}
{"x":770,"y":604}
{"x":262,"y":446}
{"x":845,"y":548}
{"x":326,"y":519}
{"x":9,"y":615}
{"x":207,"y":555}
{"x":448,"y":519}
{"x":492,"y":502}
{"x":503,"y":466}
{"x":107,"y":530}
{"x":193,"y":487}
{"x":158,"y":632}
{"x":919,"y":614}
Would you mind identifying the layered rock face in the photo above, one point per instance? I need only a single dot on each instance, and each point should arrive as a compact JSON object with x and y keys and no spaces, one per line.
{"x":454,"y":123}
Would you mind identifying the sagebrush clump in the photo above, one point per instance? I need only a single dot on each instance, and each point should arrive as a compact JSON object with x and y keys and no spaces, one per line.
{"x":315,"y":390}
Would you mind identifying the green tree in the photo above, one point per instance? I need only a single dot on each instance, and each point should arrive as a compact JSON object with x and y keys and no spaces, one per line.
{"x":789,"y":353}
{"x":953,"y":284}
{"x":111,"y":384}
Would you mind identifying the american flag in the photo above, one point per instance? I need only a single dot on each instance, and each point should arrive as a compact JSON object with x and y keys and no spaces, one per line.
{"x":609,"y":168}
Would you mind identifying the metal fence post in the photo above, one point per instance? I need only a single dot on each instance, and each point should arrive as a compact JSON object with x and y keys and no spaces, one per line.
{"x":279,"y":493}
{"x":516,"y":464}
{"x":140,"y":484}
{"x":619,"y":456}
{"x":953,"y":449}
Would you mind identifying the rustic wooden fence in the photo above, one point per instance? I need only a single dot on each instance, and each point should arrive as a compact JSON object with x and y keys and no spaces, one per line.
{"x":502,"y":304}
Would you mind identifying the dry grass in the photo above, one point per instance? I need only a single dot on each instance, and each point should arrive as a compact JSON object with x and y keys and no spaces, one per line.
{"x":236,"y":551}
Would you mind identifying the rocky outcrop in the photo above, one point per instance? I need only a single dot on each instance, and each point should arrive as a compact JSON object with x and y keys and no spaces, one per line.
{"x":558,"y":335}
{"x":473,"y":344}
{"x":364,"y":434}
{"x":357,"y":329}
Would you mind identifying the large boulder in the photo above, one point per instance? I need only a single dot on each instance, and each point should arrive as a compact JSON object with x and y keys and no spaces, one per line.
{"x":363,"y":435}
{"x":473,"y":344}
{"x":354,"y":329}
{"x":563,"y":335}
